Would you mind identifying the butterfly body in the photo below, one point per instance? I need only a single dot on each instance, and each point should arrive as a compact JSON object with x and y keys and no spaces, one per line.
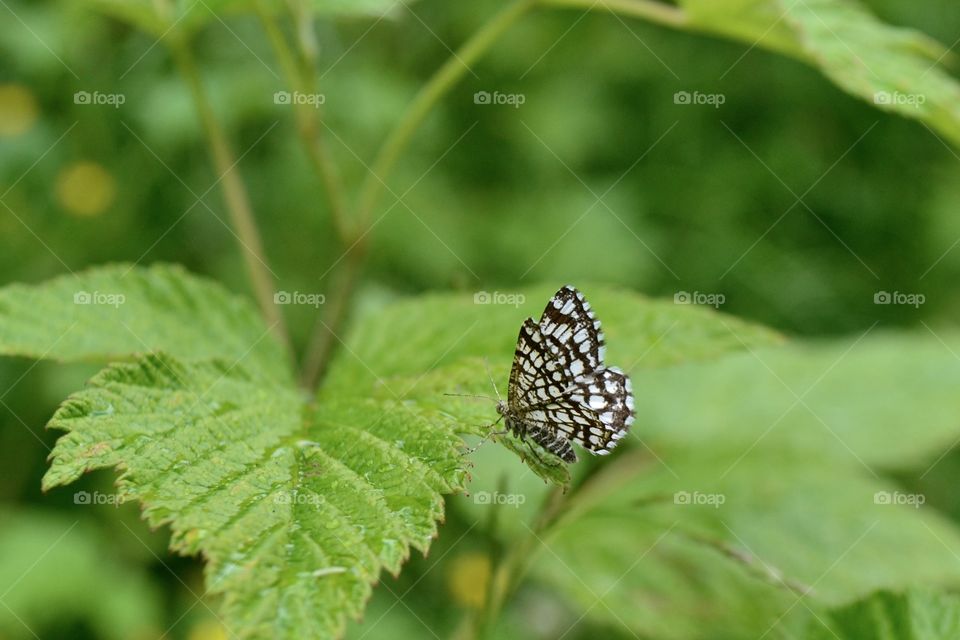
{"x":560,"y":391}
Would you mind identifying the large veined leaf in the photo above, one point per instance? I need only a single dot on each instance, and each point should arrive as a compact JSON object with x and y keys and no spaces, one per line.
{"x":724,"y":548}
{"x":914,"y":615}
{"x":112,"y":312}
{"x":295,"y":508}
{"x":887,"y":400}
{"x":893,"y":68}
{"x":55,"y":568}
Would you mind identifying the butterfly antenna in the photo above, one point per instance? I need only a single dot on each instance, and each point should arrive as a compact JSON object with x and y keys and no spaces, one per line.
{"x":469,"y":395}
{"x":486,"y":365}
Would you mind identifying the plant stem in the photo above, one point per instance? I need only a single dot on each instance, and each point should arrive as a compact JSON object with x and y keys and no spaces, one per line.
{"x":324,"y":336}
{"x":299,"y":75}
{"x":234,"y":192}
{"x":325,"y":331}
{"x":558,"y":510}
{"x":438,"y":85}
{"x":657,"y":12}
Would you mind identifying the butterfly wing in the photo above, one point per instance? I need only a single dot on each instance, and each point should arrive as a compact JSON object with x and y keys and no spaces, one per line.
{"x":572,"y":332}
{"x":558,"y":385}
{"x":536,"y":376}
{"x":606,"y":399}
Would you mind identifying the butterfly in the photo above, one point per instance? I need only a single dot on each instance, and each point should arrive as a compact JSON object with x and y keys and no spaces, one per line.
{"x":560,"y":391}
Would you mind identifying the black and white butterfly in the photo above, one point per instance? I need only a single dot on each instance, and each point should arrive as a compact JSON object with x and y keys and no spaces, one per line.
{"x":560,"y":391}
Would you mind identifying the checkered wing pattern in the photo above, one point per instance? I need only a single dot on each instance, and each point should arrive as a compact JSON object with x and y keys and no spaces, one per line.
{"x":559,"y":387}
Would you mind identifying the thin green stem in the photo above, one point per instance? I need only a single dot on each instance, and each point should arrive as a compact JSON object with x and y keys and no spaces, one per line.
{"x":657,"y":12}
{"x":324,"y":336}
{"x":234,"y":190}
{"x":439,"y":84}
{"x":558,"y":510}
{"x":299,"y":75}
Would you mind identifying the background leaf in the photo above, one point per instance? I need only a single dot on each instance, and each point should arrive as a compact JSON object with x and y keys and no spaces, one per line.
{"x":885,"y":400}
{"x":919,"y":614}
{"x":783,"y":536}
{"x":56,"y":570}
{"x":895,"y":69}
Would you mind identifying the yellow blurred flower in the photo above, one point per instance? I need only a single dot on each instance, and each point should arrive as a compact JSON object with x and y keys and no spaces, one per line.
{"x":468,"y":577}
{"x":18,"y":110}
{"x":207,"y":630}
{"x":85,"y":189}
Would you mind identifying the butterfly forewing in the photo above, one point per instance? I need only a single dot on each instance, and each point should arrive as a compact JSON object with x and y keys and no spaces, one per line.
{"x":572,"y":332}
{"x":559,"y":388}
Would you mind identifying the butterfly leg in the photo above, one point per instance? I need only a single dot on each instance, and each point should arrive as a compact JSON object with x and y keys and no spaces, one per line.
{"x":491,"y":434}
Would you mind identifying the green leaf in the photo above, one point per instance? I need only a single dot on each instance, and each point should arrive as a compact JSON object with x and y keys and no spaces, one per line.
{"x":55,"y":568}
{"x":742,"y":545}
{"x":893,"y":68}
{"x":295,"y":507}
{"x":887,"y":401}
{"x":914,"y":615}
{"x":113,"y":312}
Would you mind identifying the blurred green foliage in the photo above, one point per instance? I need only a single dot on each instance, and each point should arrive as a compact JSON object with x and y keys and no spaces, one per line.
{"x":695,"y":198}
